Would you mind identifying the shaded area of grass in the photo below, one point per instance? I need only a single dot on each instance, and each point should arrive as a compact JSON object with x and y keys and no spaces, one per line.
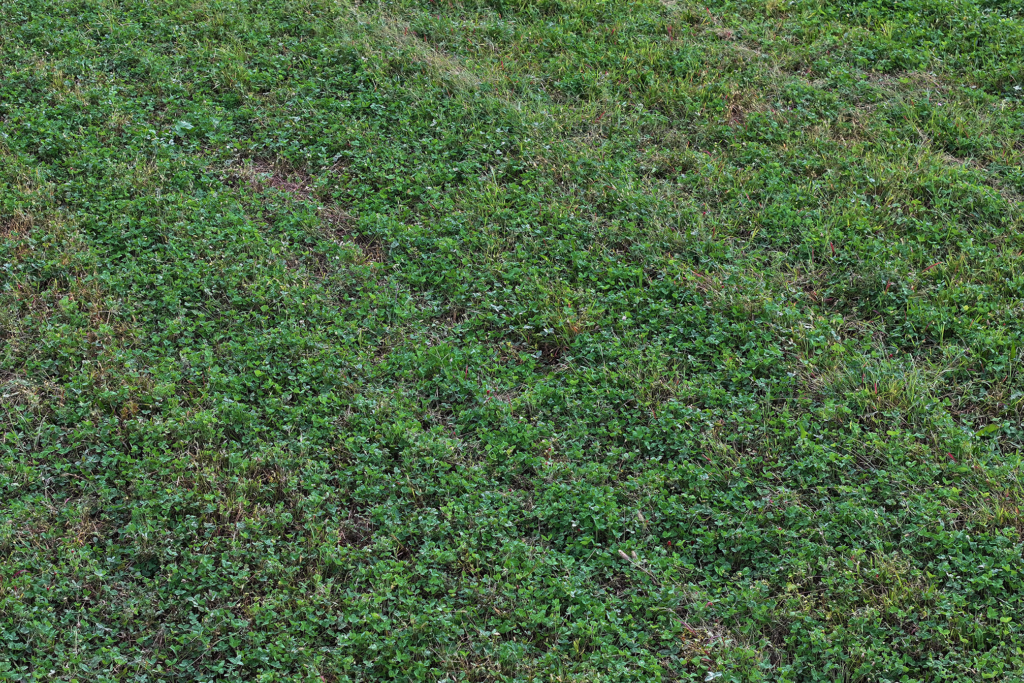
{"x":511,"y":341}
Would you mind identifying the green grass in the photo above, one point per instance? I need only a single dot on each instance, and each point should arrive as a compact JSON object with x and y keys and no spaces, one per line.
{"x":567,"y":340}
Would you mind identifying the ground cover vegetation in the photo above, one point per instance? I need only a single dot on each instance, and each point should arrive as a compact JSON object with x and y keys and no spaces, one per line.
{"x":549,"y":340}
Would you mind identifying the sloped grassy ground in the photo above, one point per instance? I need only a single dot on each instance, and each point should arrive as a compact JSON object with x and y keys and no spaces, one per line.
{"x":563,"y":340}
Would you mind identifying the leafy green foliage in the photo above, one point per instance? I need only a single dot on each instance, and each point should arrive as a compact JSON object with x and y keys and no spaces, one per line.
{"x":557,"y":340}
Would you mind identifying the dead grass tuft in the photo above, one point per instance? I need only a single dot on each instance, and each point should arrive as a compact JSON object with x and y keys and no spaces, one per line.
{"x":16,"y":225}
{"x":261,"y":175}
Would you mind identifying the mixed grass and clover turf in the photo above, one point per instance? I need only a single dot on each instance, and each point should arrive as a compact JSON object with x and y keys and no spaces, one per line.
{"x":563,"y":340}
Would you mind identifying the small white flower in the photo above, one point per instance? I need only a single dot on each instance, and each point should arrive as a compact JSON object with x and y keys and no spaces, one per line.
{"x":1016,"y":87}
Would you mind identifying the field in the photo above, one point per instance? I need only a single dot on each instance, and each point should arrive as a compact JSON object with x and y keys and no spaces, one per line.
{"x":511,"y":340}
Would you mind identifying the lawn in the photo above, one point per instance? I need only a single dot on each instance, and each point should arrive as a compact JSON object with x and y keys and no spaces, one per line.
{"x":526,"y":340}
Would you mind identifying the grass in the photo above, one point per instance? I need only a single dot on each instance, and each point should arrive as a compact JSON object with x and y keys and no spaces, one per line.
{"x":562,"y":340}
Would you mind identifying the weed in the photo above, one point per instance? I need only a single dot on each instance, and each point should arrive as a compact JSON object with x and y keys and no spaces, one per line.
{"x":505,"y":341}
